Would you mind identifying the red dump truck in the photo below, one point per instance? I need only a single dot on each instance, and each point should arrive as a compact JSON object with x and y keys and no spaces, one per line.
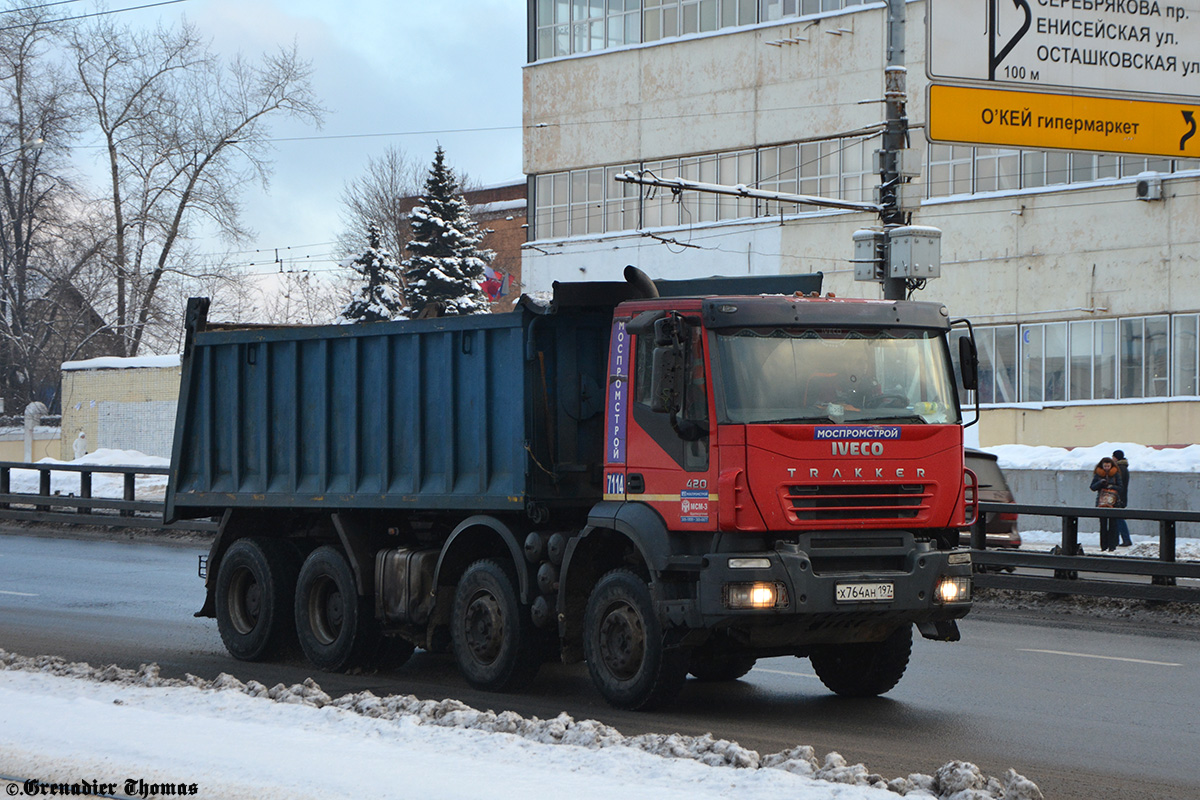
{"x":657,"y":477}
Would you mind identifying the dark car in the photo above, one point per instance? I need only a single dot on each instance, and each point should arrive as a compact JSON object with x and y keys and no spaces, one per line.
{"x":1001,"y":528}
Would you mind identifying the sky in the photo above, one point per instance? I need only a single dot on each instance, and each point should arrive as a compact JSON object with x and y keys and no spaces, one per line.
{"x":411,"y":73}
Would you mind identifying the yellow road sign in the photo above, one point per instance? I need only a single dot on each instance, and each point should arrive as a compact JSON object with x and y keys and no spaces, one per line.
{"x":1002,"y":118}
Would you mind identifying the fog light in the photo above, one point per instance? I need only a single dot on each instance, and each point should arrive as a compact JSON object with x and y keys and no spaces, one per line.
{"x":953,"y":590}
{"x":749,"y":563}
{"x":755,"y":595}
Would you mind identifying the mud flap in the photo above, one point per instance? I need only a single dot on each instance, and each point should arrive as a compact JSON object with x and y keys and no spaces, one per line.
{"x":941,"y":631}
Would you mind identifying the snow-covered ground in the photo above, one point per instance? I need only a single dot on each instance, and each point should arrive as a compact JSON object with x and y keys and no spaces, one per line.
{"x":112,"y":485}
{"x":1143,"y":546}
{"x":63,"y":723}
{"x":75,"y":724}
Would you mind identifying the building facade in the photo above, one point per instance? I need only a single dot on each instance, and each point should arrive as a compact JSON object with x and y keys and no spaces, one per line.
{"x":1086,"y":299}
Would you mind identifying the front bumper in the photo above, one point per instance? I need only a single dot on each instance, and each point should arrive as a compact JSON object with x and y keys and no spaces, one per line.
{"x":811,"y":570}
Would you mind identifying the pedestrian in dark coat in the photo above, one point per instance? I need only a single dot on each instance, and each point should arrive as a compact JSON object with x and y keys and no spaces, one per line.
{"x":1123,"y":497}
{"x":1106,"y":483}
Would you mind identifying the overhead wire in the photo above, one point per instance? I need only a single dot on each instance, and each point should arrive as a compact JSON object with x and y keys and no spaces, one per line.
{"x":106,"y":13}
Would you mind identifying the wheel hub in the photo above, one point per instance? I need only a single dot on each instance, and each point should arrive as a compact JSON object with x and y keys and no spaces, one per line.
{"x":245,"y":601}
{"x":484,"y":628}
{"x":326,"y":611}
{"x":622,"y":642}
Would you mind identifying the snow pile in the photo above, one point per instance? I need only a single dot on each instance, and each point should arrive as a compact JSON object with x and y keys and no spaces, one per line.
{"x":111,"y":485}
{"x":1141,"y":458}
{"x":954,"y":781}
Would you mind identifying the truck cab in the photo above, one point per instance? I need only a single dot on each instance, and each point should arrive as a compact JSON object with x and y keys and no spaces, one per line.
{"x":803,"y":458}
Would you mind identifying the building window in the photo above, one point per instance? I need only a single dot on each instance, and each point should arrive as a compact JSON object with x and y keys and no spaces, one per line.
{"x":1081,"y":360}
{"x":957,"y":169}
{"x":1093,"y":360}
{"x":591,"y":201}
{"x":567,"y":27}
{"x":553,"y":204}
{"x":1144,"y":358}
{"x":949,"y":170}
{"x":1184,"y":354}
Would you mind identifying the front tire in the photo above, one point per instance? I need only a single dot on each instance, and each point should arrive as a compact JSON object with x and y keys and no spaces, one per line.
{"x":254,"y":589}
{"x":335,"y":628}
{"x":623,"y":644}
{"x":492,"y":634}
{"x":866,"y":669}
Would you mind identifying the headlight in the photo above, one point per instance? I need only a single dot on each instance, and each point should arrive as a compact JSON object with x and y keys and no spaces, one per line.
{"x":755,"y":595}
{"x":953,"y":590}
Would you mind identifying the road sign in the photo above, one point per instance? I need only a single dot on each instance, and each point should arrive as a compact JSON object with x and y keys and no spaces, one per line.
{"x":1109,"y":48}
{"x":1059,"y":121}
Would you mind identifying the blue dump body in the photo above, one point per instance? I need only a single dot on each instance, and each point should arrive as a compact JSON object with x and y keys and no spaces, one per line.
{"x":486,"y":413}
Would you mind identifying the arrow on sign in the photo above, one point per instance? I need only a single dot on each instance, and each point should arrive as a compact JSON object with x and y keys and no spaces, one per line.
{"x":995,"y":58}
{"x":1190,"y":120}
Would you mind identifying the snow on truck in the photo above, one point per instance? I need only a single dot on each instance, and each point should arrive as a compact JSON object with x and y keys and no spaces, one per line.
{"x":660,"y":478}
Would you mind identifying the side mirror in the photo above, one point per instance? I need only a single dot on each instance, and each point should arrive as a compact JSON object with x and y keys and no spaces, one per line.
{"x":666,"y":375}
{"x":968,"y":362}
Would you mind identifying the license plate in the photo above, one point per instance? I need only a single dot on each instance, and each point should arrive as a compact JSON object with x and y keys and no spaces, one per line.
{"x":865,"y":592}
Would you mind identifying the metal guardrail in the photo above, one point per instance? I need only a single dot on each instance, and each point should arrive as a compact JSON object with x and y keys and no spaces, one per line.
{"x":84,"y":508}
{"x":1064,"y":566}
{"x":1067,"y":561}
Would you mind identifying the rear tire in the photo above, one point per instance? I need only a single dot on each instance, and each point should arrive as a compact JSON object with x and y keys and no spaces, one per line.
{"x":492,"y":634}
{"x":864,"y":669}
{"x":255,"y":583}
{"x":335,"y":628}
{"x":623,"y":644}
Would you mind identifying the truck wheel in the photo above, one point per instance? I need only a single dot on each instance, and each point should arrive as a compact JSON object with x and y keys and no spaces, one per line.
{"x":863,"y":669}
{"x":335,"y":628}
{"x":492,"y":634}
{"x":623,"y":645}
{"x":254,"y":598}
{"x":720,"y":669}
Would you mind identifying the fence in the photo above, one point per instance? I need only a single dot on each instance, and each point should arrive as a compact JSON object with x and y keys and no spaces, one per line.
{"x":1067,"y":561}
{"x":83,"y":507}
{"x":1060,"y":569}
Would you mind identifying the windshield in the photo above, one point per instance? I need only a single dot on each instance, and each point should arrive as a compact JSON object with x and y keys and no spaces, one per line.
{"x":804,"y":376}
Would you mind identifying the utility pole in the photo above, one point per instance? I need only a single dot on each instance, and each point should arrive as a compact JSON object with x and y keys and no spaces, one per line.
{"x":895,"y":138}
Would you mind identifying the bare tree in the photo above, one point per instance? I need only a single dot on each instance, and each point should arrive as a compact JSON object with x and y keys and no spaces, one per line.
{"x":182,"y":132}
{"x":42,"y":248}
{"x":381,"y":197}
{"x":303,"y":297}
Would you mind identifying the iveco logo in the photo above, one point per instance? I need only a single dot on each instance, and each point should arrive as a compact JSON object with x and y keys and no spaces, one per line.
{"x":857,"y":448}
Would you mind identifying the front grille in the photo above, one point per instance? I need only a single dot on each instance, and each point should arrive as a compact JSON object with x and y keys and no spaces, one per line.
{"x":841,"y":502}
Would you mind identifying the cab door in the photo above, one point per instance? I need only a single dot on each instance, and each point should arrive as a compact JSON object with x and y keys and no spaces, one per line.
{"x":672,"y":468}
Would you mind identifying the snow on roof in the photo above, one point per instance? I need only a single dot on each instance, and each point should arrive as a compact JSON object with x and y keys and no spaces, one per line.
{"x":113,"y":362}
{"x":498,"y":206}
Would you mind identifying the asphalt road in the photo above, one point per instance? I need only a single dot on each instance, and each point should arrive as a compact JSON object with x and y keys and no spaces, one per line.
{"x":1086,"y":709}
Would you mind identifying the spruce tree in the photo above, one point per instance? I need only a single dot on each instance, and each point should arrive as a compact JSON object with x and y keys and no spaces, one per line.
{"x":381,"y":296}
{"x":447,"y":263}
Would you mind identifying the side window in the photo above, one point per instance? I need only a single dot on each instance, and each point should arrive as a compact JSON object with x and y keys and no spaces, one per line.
{"x":643,"y":363}
{"x":692,"y":456}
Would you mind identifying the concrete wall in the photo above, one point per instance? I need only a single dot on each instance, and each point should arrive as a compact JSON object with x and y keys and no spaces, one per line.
{"x":706,"y":93}
{"x":122,"y":409}
{"x":1173,"y":491}
{"x":45,"y":443}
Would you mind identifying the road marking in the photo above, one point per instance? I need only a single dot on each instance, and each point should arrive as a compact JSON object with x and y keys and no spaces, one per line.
{"x":1102,"y":658}
{"x":18,"y":594}
{"x":785,"y":672}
